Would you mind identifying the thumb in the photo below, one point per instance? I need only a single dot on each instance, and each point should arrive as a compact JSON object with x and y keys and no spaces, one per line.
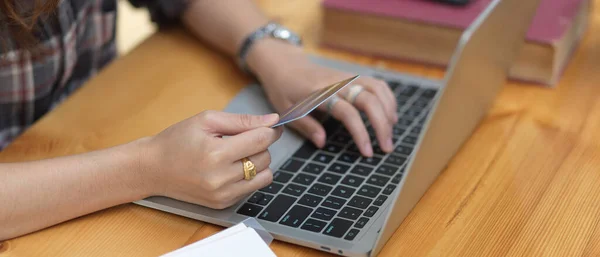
{"x":224,"y":123}
{"x":311,"y":129}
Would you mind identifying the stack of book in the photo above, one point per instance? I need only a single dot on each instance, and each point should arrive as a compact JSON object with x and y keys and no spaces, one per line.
{"x":427,"y":31}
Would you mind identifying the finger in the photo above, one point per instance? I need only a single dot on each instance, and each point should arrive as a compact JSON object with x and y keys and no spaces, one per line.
{"x":250,"y":142}
{"x":244,"y":187}
{"x":385,"y":95}
{"x":310,"y":128}
{"x":223,"y":123}
{"x":369,"y":103}
{"x":349,"y":116}
{"x":260,"y":160}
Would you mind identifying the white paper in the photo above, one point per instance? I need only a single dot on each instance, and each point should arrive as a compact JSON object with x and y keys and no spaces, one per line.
{"x":238,"y":240}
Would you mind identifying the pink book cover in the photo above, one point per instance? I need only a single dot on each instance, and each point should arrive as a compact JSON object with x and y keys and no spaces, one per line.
{"x":552,"y":19}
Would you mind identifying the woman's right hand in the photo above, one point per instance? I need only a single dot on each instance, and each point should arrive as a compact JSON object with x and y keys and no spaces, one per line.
{"x":191,"y":161}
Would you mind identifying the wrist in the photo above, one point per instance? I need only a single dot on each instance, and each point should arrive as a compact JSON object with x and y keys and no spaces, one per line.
{"x":270,"y":57}
{"x":141,"y":166}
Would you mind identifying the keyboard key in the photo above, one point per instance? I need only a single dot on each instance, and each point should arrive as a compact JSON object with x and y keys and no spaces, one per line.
{"x":380,"y":200}
{"x":310,"y":200}
{"x":273,"y":188}
{"x":305,"y":151}
{"x":277,"y":208}
{"x":304,"y":179}
{"x":359,"y":202}
{"x":329,"y":178}
{"x":393,"y":84}
{"x":351,"y":234}
{"x":343,"y":191}
{"x":350,"y":213}
{"x":256,"y":197}
{"x":265,"y":199}
{"x":377,"y":148}
{"x":411,"y":140}
{"x":395,"y":160}
{"x":397,"y":178}
{"x":398,"y":131}
{"x":313,"y":168}
{"x":292,"y":165}
{"x":421,"y":103}
{"x":371,"y":211}
{"x":341,"y":138}
{"x":294,"y":190}
{"x":412,"y":112}
{"x":369,"y":191}
{"x":332,"y":148}
{"x":415,"y":130}
{"x":249,"y":210}
{"x":334,"y":202}
{"x":323,"y":214}
{"x":403,"y":149}
{"x":282,"y":177}
{"x":331,"y":126}
{"x":314,"y":225}
{"x":361,"y":223}
{"x":353,"y":181}
{"x":378,"y":180}
{"x":339,"y":168}
{"x":409,"y":91}
{"x":296,"y":216}
{"x":353,"y":148}
{"x":404,"y":122}
{"x":320,"y":189}
{"x":389,"y":189}
{"x":337,"y":228}
{"x":371,"y":160}
{"x":429,"y":93}
{"x":348,"y":157}
{"x":361,"y":170}
{"x":386,"y":170}
{"x":323,"y":158}
{"x":402,"y":100}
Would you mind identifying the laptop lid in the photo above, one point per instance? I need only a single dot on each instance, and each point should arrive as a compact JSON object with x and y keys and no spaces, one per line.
{"x":476,"y":73}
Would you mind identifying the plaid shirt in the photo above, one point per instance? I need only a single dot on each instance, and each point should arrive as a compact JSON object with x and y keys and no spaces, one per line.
{"x":73,"y":46}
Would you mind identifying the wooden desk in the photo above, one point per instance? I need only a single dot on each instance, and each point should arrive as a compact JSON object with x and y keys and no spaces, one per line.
{"x":526,"y":183}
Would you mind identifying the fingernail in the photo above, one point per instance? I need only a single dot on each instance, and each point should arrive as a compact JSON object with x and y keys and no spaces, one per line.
{"x":270,"y":118}
{"x":368,"y":149}
{"x":318,"y":138}
{"x":390,"y":144}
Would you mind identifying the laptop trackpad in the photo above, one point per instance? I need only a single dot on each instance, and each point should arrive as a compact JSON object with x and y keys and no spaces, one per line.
{"x":252,"y":100}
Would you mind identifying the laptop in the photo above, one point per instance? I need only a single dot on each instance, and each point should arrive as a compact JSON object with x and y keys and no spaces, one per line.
{"x":334,"y":200}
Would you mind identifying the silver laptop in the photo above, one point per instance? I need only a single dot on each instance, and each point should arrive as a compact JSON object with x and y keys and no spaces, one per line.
{"x":334,"y":200}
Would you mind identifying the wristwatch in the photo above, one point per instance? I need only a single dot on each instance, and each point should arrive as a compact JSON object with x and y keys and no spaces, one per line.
{"x":273,"y":30}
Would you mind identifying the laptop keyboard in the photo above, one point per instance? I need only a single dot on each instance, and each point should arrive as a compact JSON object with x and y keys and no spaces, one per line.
{"x":335,"y":191}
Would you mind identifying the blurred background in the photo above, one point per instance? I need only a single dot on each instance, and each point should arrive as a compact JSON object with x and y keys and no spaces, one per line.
{"x":133,"y":26}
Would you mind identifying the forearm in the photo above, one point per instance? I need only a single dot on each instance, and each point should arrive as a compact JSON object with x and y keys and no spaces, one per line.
{"x":38,"y":194}
{"x":225,"y":24}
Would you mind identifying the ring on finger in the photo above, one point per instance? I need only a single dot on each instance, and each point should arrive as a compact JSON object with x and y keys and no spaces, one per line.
{"x":249,"y":169}
{"x":353,"y":92}
{"x":331,"y":102}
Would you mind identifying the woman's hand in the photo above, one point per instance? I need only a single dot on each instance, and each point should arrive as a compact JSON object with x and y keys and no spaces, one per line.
{"x":298,"y":77}
{"x":192,"y":162}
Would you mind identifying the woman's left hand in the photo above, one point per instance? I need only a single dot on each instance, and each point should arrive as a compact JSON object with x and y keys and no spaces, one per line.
{"x":299,"y":77}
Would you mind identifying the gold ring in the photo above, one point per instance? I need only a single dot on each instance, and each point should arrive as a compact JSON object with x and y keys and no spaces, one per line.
{"x":249,"y":169}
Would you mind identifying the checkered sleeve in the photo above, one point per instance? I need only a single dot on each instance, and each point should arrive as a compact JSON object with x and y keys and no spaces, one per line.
{"x":163,"y":12}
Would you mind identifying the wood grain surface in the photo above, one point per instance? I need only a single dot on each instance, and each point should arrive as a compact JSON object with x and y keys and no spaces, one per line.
{"x":527,"y":183}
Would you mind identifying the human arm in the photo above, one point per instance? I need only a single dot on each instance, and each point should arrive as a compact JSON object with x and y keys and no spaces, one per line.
{"x":287,"y":75}
{"x":189,"y":161}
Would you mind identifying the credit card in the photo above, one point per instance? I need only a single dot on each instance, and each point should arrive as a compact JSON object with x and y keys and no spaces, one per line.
{"x":304,"y":107}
